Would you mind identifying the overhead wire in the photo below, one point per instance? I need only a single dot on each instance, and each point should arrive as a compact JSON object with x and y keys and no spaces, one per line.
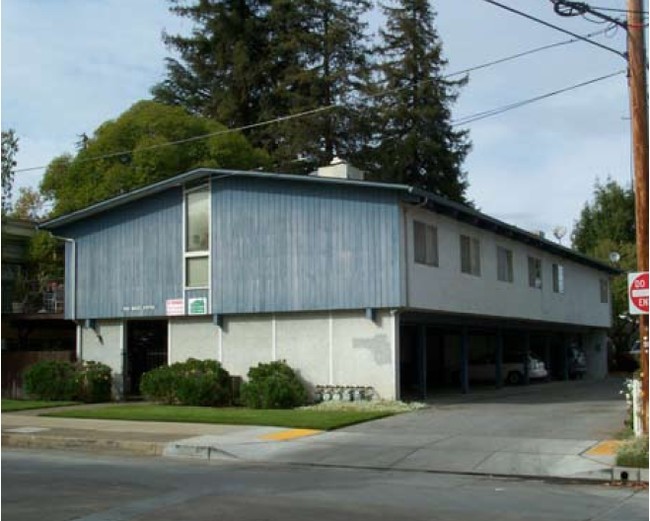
{"x":318,"y":110}
{"x":511,"y":106}
{"x":553,"y":26}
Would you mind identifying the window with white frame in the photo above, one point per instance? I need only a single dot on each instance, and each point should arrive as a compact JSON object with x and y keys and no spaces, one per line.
{"x":504,"y":264}
{"x":470,"y":255}
{"x":197,"y":237}
{"x":425,"y":243}
{"x":558,"y":278}
{"x":534,"y":272}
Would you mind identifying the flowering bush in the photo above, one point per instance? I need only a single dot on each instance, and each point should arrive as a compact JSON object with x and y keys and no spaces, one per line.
{"x":95,"y":382}
{"x":193,"y":382}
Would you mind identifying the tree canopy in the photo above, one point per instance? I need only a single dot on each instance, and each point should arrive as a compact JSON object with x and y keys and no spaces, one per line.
{"x":606,"y":225}
{"x":251,"y":61}
{"x":136,"y":149}
{"x":9,"y":151}
{"x":414,"y":141}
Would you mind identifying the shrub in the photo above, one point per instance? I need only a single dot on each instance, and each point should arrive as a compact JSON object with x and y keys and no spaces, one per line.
{"x":193,"y":382}
{"x":60,"y":380}
{"x":95,"y":382}
{"x":633,"y":453}
{"x":273,"y":386}
{"x":52,"y":380}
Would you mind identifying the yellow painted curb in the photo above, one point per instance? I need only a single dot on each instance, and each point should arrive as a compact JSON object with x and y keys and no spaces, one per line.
{"x":290,"y":434}
{"x":605,"y":448}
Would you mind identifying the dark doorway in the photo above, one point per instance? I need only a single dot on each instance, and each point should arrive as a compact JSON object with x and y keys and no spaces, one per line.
{"x":146,"y":349}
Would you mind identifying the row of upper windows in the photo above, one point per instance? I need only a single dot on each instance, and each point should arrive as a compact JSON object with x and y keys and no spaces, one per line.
{"x":425,"y":245}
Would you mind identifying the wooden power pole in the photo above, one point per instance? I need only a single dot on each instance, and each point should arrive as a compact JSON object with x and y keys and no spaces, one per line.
{"x":639,"y":115}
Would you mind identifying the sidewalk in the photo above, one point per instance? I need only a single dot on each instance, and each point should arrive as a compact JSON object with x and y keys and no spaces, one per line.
{"x":377,"y":448}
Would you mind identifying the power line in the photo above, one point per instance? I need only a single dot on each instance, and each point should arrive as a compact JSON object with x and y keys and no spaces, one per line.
{"x":526,"y":53}
{"x":557,"y":28}
{"x":325,"y":108}
{"x":505,"y":108}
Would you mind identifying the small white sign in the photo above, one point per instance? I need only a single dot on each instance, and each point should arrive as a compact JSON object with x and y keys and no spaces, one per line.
{"x":197,"y":306}
{"x":175,"y":306}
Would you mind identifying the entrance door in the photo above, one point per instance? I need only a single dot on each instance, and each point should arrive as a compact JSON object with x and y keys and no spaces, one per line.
{"x":146,"y":349}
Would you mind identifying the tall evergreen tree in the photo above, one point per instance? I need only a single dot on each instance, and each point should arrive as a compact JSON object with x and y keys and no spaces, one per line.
{"x":220,"y":70}
{"x":331,"y":68}
{"x":249,"y":61}
{"x":414,"y":141}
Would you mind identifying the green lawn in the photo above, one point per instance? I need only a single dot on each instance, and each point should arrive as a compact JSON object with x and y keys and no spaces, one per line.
{"x":296,"y":418}
{"x":24,"y":405}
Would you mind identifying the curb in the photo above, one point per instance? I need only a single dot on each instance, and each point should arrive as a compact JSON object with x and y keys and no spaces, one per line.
{"x":138,"y":448}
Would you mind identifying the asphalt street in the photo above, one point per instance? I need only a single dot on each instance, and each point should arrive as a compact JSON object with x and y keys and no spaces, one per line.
{"x":59,"y":486}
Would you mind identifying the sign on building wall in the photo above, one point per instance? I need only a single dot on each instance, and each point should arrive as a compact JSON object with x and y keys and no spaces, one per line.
{"x":174,"y":306}
{"x":637,"y":292}
{"x":197,"y":306}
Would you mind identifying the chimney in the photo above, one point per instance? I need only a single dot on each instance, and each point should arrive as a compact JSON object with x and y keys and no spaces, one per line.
{"x":339,"y":169}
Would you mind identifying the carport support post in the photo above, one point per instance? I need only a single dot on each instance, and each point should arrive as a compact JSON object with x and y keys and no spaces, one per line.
{"x":526,"y":356}
{"x":498,"y":356}
{"x":422,"y":359}
{"x":464,"y":358}
{"x":547,"y":353}
{"x":565,"y":358}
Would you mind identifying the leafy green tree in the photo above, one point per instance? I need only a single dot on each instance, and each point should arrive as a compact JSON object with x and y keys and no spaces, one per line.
{"x":414,"y":141}
{"x":606,"y":225}
{"x":9,"y":151}
{"x":137,"y":149}
{"x":29,"y":205}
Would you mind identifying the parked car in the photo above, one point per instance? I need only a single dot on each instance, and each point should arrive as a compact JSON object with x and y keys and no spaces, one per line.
{"x":512,"y":369}
{"x":577,"y":363}
{"x":629,"y":360}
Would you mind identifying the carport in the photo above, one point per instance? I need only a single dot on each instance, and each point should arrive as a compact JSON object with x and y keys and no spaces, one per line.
{"x":437,"y":350}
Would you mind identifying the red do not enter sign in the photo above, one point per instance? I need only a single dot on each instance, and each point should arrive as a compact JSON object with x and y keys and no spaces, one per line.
{"x":638,"y":292}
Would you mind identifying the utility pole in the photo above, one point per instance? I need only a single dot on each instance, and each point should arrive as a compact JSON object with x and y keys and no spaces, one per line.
{"x":639,"y":114}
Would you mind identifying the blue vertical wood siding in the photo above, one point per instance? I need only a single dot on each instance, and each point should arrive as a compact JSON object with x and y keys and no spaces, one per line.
{"x":290,"y":246}
{"x":129,"y":259}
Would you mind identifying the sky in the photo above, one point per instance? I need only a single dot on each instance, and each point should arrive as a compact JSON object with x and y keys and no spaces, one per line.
{"x":70,"y":65}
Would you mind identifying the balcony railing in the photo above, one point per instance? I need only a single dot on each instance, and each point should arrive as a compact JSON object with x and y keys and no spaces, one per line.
{"x":36,"y":297}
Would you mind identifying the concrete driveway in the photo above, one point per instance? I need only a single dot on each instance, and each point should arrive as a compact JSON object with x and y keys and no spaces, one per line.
{"x":543,"y":430}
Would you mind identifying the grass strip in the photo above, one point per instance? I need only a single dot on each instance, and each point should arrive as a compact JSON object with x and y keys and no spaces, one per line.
{"x":25,"y":405}
{"x":295,"y":418}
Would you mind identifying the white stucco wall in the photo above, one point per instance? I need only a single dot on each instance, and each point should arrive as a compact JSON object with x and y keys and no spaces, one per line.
{"x":192,"y":338}
{"x":104,"y":344}
{"x":246,"y":341}
{"x":445,"y":288}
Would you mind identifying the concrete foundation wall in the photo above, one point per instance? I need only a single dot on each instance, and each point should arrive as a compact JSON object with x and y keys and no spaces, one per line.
{"x":104,"y":344}
{"x":337,"y":348}
{"x":192,"y":338}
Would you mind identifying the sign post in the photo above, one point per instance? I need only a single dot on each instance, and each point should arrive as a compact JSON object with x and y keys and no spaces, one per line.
{"x":638,"y":292}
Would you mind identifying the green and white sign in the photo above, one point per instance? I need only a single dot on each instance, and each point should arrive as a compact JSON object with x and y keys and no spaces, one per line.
{"x":197,"y":306}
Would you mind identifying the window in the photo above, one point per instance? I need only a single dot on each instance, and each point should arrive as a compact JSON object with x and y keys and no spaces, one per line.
{"x":470,"y":255}
{"x":425,"y":243}
{"x":604,"y":291}
{"x":197,"y":220}
{"x":504,"y":264}
{"x":558,"y":278}
{"x":197,"y":237}
{"x":535,"y":272}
